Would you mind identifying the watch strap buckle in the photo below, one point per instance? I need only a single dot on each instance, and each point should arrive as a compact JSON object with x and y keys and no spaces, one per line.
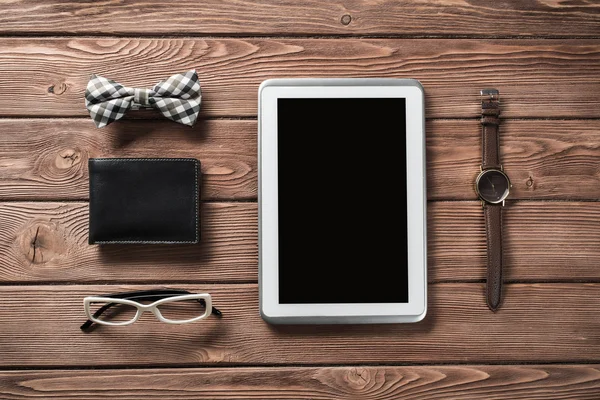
{"x":489,"y":94}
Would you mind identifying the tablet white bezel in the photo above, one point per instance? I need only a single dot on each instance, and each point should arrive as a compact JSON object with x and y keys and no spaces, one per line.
{"x":416,"y":307}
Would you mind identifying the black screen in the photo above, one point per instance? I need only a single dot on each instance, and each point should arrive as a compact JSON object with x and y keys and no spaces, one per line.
{"x":342,"y":200}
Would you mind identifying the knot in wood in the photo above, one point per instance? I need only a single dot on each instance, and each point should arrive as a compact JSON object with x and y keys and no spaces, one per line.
{"x":529,"y":182}
{"x":58,"y":89}
{"x":41,"y":242}
{"x":67,"y":158}
{"x":358,"y":377}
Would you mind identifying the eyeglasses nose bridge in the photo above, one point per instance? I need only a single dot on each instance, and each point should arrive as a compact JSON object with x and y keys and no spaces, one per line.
{"x":142,"y":308}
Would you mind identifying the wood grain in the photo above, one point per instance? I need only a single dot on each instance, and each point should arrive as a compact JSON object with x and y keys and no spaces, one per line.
{"x":47,"y":159}
{"x":469,"y":382}
{"x":543,"y":56}
{"x":270,"y":17}
{"x":544,"y":159}
{"x":536,"y":78}
{"x":542,"y":241}
{"x":47,"y":242}
{"x":39,"y":326}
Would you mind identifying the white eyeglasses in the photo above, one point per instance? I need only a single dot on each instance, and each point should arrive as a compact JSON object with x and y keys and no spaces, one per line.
{"x":172,"y":306}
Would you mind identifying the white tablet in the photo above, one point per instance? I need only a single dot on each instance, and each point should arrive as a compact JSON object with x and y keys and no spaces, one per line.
{"x":342,"y":202}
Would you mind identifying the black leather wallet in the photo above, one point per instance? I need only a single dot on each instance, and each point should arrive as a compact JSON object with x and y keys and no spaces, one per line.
{"x":144,"y":200}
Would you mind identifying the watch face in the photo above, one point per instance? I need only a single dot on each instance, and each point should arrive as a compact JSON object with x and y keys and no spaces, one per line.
{"x":492,"y":185}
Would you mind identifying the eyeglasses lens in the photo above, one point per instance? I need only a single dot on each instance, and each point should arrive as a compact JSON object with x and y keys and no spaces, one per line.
{"x":182,"y":310}
{"x":115,"y":313}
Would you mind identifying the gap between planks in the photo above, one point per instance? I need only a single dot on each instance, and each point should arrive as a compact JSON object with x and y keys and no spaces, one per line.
{"x":282,"y":36}
{"x":255,"y":282}
{"x":193,"y":366}
{"x":152,"y":117}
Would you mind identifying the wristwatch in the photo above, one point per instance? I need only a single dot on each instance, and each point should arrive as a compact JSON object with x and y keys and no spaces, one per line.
{"x":492,"y":186}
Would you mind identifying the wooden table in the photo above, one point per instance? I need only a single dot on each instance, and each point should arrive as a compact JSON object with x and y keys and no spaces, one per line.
{"x":543,"y":56}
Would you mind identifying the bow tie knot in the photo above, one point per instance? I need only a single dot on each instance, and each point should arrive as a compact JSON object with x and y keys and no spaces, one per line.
{"x":177,"y":98}
{"x":140,"y":98}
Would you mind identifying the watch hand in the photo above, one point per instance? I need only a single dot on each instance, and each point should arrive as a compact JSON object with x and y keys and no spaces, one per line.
{"x":491,"y":183}
{"x":493,"y":186}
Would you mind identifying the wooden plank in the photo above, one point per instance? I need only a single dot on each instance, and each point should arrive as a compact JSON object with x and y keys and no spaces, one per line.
{"x":468,"y":382}
{"x":270,"y":17}
{"x":47,"y":159}
{"x":39,"y":326}
{"x":542,"y":241}
{"x":544,"y":159}
{"x":536,"y":78}
{"x":47,"y":242}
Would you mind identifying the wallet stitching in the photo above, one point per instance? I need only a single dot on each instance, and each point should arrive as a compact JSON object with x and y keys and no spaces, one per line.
{"x":196,"y":200}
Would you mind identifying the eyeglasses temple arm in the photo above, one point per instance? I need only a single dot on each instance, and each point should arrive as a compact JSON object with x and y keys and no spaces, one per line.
{"x":99,"y":312}
{"x":214,"y":309}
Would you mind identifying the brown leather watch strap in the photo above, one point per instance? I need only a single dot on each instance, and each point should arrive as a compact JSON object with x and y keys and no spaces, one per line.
{"x":490,"y":113}
{"x":493,"y":227}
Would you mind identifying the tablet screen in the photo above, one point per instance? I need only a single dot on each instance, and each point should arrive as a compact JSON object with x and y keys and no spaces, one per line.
{"x":342,"y":200}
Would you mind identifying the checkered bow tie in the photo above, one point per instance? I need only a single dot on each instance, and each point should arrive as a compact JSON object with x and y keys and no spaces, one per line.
{"x":177,"y":98}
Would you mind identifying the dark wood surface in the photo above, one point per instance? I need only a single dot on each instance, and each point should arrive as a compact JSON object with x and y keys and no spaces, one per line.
{"x":467,"y":382}
{"x":538,"y":322}
{"x":47,"y":242}
{"x":312,"y":17}
{"x":49,"y":75}
{"x":50,"y":161}
{"x":543,"y":56}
